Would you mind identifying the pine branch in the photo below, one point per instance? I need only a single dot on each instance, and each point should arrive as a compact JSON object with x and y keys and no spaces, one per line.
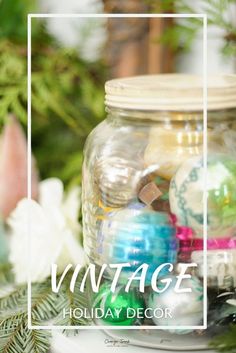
{"x":15,"y":337}
{"x":38,"y":341}
{"x":12,"y":299}
{"x":18,"y":338}
{"x":73,"y":301}
{"x":45,"y":304}
{"x":14,"y":333}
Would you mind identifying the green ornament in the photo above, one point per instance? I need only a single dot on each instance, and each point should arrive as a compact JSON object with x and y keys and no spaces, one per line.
{"x":119,"y":305}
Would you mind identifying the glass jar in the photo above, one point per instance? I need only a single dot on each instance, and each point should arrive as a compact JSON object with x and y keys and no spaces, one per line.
{"x":143,"y":221}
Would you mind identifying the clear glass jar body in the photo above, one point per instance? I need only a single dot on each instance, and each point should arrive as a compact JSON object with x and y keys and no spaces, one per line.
{"x":143,"y":204}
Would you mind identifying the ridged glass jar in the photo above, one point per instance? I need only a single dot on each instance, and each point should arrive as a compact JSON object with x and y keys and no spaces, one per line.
{"x":143,"y":181}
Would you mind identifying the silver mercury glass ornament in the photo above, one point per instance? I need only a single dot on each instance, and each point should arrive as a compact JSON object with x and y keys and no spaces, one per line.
{"x":117,"y":179}
{"x":186,"y":309}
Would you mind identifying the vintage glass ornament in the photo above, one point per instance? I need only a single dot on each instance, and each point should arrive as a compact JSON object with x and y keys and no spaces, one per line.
{"x":117,"y":179}
{"x":118,"y":171}
{"x":148,"y":237}
{"x":186,"y":308}
{"x":186,"y":195}
{"x":189,"y":244}
{"x":168,"y":149}
{"x":116,"y":306}
{"x":111,"y":219}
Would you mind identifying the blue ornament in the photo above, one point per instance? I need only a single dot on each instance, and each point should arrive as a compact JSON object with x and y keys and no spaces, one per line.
{"x":147,"y":237}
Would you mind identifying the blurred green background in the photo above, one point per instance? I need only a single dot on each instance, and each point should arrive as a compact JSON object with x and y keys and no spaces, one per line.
{"x":67,"y":92}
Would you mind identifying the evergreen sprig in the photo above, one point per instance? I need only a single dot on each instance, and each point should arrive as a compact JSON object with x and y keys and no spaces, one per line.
{"x":67,"y":92}
{"x":16,"y":337}
{"x":46,"y":306}
{"x":10,"y":300}
{"x":67,"y":98}
{"x":72,"y":301}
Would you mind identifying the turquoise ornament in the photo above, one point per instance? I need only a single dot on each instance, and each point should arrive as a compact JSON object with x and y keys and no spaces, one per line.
{"x":117,"y":307}
{"x":186,"y":195}
{"x":186,"y":309}
{"x":146,"y":237}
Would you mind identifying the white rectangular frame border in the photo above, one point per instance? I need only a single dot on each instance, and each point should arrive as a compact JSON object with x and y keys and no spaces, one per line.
{"x":204,"y":74}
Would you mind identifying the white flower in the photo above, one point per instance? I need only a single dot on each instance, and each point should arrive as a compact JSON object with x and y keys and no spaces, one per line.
{"x":54,"y":229}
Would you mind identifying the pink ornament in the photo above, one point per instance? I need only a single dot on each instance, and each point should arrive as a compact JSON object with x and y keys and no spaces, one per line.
{"x":13,"y":167}
{"x":221,"y":243}
{"x":188,"y":244}
{"x":184,"y":233}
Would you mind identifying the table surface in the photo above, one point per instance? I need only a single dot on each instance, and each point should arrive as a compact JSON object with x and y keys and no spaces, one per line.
{"x":89,"y":341}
